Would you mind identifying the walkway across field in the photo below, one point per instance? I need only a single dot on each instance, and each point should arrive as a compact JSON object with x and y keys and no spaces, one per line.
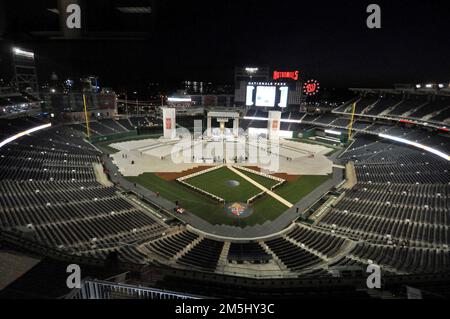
{"x":268,"y":191}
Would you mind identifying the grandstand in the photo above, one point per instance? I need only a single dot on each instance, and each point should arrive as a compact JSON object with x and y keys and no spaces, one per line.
{"x":56,"y":193}
{"x":14,"y":103}
{"x":422,"y":106}
{"x":171,"y":151}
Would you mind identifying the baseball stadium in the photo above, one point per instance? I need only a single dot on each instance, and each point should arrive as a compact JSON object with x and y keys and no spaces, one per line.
{"x":275,"y":186}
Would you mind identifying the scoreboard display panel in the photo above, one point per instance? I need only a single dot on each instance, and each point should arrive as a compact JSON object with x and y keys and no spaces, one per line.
{"x":264,"y":94}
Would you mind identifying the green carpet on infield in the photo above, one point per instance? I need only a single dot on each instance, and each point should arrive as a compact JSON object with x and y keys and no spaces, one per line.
{"x":265,"y":208}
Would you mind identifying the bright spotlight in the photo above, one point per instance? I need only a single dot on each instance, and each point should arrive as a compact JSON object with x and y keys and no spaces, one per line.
{"x":251,"y":70}
{"x":20,"y":52}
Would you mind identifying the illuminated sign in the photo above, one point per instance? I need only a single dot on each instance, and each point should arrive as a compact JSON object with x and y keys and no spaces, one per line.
{"x":267,"y":83}
{"x":285,"y":75}
{"x":283,"y":96}
{"x":267,"y":94}
{"x":332,"y":132}
{"x":249,"y":96}
{"x":311,"y":87}
{"x":179,"y":99}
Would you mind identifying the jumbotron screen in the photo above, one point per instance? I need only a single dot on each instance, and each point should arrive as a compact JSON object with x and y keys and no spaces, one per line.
{"x":266,"y":95}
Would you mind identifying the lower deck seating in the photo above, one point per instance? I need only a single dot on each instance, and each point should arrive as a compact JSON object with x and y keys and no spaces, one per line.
{"x":396,"y":215}
{"x":204,"y":255}
{"x":113,"y":125}
{"x":401,"y":197}
{"x":251,"y":252}
{"x":324,"y":243}
{"x":169,"y":246}
{"x":50,"y":194}
{"x":294,"y":257}
{"x":139,"y":121}
{"x":126,"y":123}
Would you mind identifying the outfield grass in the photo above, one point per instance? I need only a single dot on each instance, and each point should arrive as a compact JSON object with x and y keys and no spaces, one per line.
{"x":200,"y":205}
{"x":265,"y":208}
{"x":294,"y":191}
{"x":268,"y":208}
{"x":264,"y":181}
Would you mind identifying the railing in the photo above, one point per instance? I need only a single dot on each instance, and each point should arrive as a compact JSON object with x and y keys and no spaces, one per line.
{"x":94,"y":289}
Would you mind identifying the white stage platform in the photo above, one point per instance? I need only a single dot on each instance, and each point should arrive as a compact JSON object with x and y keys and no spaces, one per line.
{"x":174,"y":156}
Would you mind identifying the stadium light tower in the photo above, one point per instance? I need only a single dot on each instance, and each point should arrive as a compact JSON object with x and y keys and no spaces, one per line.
{"x":25,"y":75}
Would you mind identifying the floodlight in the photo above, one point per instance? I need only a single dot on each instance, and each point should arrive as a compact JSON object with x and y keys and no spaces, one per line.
{"x":20,"y":52}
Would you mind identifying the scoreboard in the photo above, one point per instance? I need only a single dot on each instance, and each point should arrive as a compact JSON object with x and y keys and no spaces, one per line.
{"x":267,"y":94}
{"x":279,"y":90}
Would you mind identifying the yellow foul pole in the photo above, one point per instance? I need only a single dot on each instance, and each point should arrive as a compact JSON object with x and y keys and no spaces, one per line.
{"x":86,"y":117}
{"x":351,"y":121}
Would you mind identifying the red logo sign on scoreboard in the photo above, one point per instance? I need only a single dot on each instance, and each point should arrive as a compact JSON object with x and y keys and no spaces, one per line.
{"x":311,"y":87}
{"x":168,"y":123}
{"x":285,"y":75}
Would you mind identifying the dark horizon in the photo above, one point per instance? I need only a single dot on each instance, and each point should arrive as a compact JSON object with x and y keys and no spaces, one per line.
{"x":205,"y":41}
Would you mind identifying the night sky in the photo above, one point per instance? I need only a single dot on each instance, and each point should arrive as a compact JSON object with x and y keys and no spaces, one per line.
{"x":205,"y":40}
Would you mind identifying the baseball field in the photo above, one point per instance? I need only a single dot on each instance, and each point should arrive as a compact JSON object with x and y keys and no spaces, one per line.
{"x":233,"y":188}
